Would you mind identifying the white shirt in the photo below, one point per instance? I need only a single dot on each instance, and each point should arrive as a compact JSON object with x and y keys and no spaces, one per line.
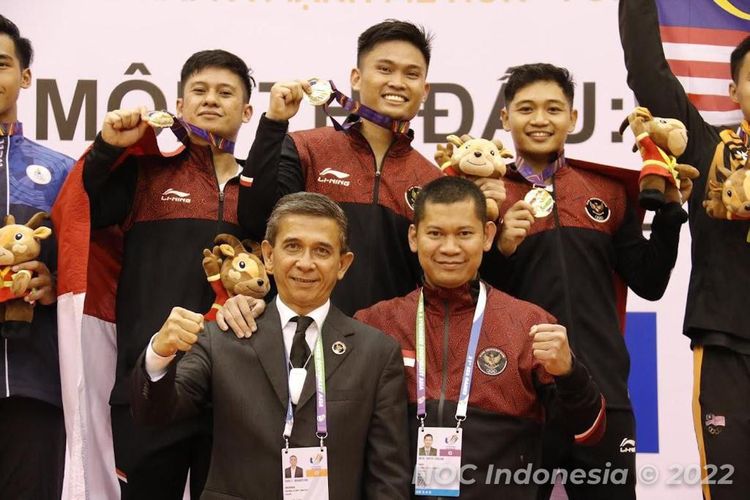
{"x":156,"y":366}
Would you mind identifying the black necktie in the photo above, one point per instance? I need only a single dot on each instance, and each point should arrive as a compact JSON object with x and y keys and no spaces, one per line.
{"x":300,"y":350}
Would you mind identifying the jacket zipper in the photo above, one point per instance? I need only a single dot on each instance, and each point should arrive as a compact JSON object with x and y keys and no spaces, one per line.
{"x":220,"y":217}
{"x":444,"y":383}
{"x":563,"y":265}
{"x":378,"y":170}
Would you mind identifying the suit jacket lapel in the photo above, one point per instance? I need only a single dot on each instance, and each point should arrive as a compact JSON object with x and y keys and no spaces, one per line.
{"x":334,"y":330}
{"x":268,"y":343}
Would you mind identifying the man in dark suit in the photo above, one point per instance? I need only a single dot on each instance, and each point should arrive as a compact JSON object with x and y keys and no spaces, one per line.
{"x":247,"y":379}
{"x":293,"y":470}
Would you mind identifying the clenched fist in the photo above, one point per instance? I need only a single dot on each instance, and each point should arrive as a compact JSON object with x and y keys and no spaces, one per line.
{"x":285,"y":99}
{"x":516,"y":224}
{"x":178,"y":333}
{"x":551,"y":348}
{"x":124,"y":127}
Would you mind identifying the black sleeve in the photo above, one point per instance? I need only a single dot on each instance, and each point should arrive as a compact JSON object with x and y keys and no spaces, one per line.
{"x":110,"y":192}
{"x":275,"y":169}
{"x":650,"y":77}
{"x":388,"y":470}
{"x":575,"y":400}
{"x":646,"y":265}
{"x":181,"y":393}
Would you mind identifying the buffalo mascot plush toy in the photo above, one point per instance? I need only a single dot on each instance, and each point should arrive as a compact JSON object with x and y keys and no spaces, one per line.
{"x":660,"y":141}
{"x":18,"y":243}
{"x":728,"y":188}
{"x":472,"y":158}
{"x":232,"y":269}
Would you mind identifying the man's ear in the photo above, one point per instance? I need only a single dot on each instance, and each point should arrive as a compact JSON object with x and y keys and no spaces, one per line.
{"x":733,"y":92}
{"x":26,"y":78}
{"x":573,"y":120}
{"x":490,"y":230}
{"x":355,"y":78}
{"x":267,"y":250}
{"x":178,"y":107}
{"x":413,"y":238}
{"x":247,"y":113}
{"x":345,"y":261}
{"x":426,"y":92}
{"x":505,"y":119}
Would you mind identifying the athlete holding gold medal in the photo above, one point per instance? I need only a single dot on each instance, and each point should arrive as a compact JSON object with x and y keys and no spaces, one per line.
{"x":570,"y":241}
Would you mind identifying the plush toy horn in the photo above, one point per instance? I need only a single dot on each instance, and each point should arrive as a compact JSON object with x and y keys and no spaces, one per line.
{"x":9,"y":219}
{"x":229,"y":239}
{"x":36,"y":220}
{"x":625,"y":123}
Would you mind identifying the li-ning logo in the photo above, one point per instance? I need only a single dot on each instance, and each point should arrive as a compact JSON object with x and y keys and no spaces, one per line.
{"x":331,"y":176}
{"x":174,"y":195}
{"x":627,"y":445}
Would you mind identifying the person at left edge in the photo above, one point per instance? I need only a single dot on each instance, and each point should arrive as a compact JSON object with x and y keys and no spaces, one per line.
{"x":523,"y":370}
{"x":245,"y":379}
{"x":32,"y":436}
{"x":169,"y":209}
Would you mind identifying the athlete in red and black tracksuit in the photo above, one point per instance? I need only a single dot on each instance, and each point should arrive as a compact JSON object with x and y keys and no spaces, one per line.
{"x":717,"y":295}
{"x":576,"y":264}
{"x":503,"y":427}
{"x":342,"y":166}
{"x":169,"y":210}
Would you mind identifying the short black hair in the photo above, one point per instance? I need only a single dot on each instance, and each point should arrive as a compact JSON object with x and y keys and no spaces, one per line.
{"x":522,"y":76}
{"x":24,"y":51}
{"x":449,"y":189}
{"x":217,"y":58}
{"x":735,"y":60}
{"x":395,"y":30}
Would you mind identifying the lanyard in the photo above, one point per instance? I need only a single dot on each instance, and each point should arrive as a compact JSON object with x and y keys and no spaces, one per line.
{"x":743,"y":131}
{"x":471,"y":351}
{"x":539,"y":179}
{"x":369,"y":114}
{"x":320,"y":394}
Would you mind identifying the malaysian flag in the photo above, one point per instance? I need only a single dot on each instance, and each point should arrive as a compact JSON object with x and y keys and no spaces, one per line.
{"x":698,"y":37}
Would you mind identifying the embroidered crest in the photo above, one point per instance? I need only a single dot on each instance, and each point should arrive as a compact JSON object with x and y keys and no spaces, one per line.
{"x":411,"y":195}
{"x":492,"y":361}
{"x":597,"y":210}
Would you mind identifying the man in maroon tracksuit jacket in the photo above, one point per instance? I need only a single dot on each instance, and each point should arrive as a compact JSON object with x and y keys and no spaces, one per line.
{"x":523,"y":366}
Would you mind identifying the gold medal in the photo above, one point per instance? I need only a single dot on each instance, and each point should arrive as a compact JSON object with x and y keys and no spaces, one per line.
{"x":159,"y":119}
{"x":541,"y":201}
{"x":320,"y":92}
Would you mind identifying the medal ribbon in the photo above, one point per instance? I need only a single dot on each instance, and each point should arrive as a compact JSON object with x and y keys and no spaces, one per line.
{"x":539,"y":179}
{"x":471,"y":352}
{"x":320,"y":393}
{"x":359,"y":109}
{"x":182,"y":129}
{"x":12,"y":128}
{"x":744,"y":132}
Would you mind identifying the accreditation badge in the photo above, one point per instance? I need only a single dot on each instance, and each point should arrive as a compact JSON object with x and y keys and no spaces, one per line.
{"x":438,"y":468}
{"x":304,"y":473}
